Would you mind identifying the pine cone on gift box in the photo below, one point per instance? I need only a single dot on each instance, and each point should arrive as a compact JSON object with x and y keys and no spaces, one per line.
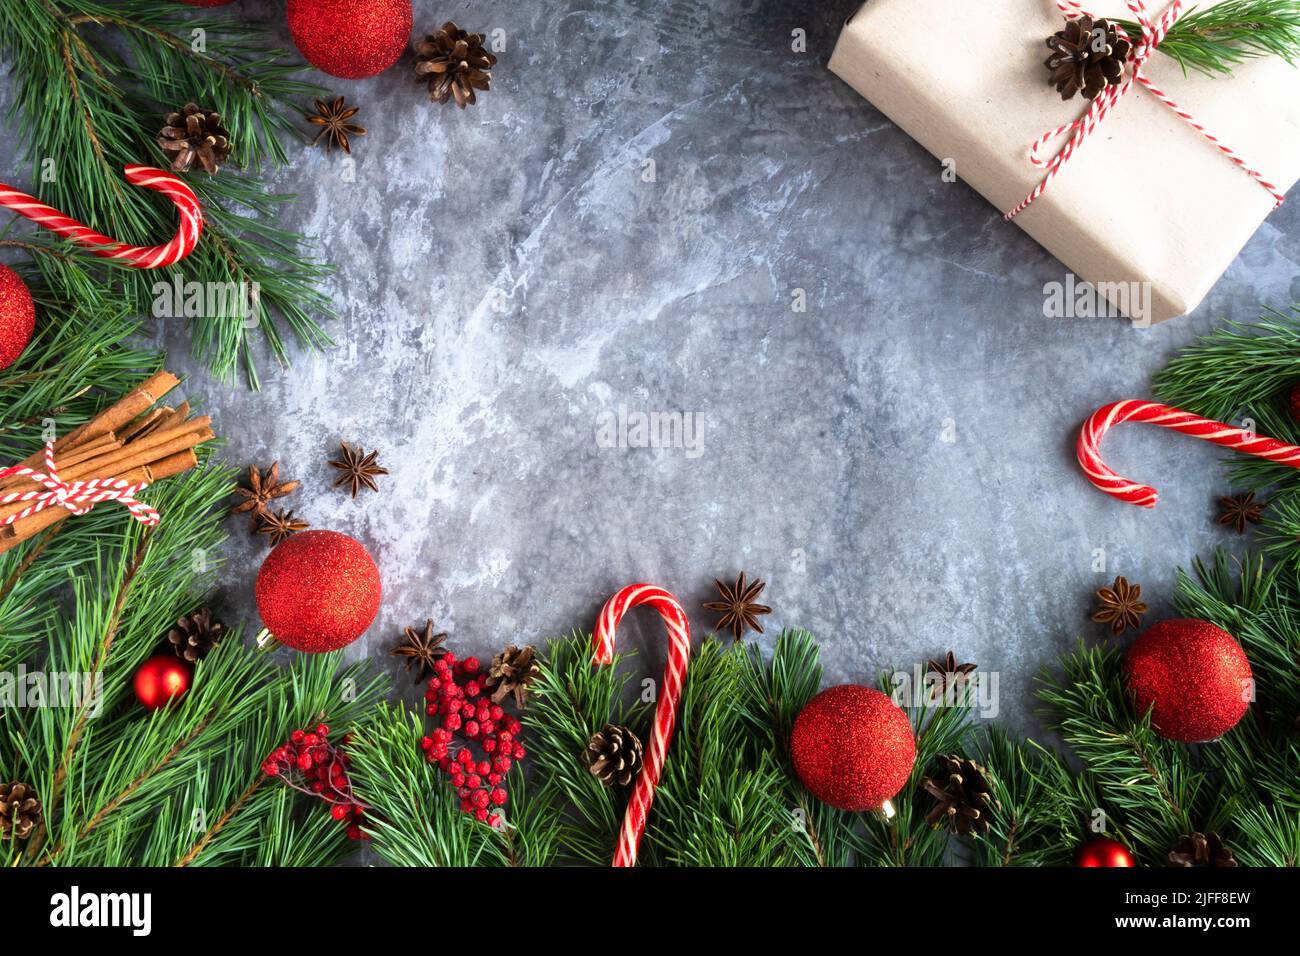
{"x":193,"y":134}
{"x":1087,"y":56}
{"x":194,"y":634}
{"x":455,"y":63}
{"x":20,"y":811}
{"x":614,"y":755}
{"x":962,"y":799}
{"x":1201,"y":849}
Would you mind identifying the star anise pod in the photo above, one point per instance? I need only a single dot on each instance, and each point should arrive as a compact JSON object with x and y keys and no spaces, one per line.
{"x":359,"y":469}
{"x":738,"y":607}
{"x":951,"y":674}
{"x":335,"y":128}
{"x":280,"y":525}
{"x":421,"y":649}
{"x":262,"y":490}
{"x":1120,"y":606}
{"x":1237,"y":510}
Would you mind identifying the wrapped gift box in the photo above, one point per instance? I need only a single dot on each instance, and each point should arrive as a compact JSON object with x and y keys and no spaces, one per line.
{"x":1146,"y":199}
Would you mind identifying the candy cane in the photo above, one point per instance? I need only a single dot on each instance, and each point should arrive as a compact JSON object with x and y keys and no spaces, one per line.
{"x":1169,"y":417}
{"x":141,"y":257}
{"x":679,"y":654}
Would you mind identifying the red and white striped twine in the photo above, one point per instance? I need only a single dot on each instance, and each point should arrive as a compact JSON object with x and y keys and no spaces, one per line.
{"x":1153,"y":34}
{"x":1153,"y":413}
{"x":141,"y":257}
{"x":77,"y":496}
{"x":679,"y":654}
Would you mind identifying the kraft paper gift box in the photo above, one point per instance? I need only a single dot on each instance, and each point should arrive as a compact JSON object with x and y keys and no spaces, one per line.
{"x":1146,"y":199}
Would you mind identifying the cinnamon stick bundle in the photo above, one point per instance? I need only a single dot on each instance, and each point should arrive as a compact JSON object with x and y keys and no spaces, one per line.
{"x":134,"y":440}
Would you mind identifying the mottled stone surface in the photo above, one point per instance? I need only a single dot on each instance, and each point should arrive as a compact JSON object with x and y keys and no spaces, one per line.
{"x":506,"y":276}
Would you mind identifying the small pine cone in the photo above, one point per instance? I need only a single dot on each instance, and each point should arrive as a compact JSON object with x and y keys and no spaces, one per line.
{"x":455,"y":63}
{"x":1201,"y":849}
{"x":194,"y":634}
{"x":512,"y":671}
{"x":20,"y":811}
{"x":614,"y":755}
{"x":193,"y":134}
{"x":962,"y":799}
{"x":1087,"y":56}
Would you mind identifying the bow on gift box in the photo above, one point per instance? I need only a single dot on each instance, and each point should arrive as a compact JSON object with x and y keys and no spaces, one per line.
{"x":1153,"y":34}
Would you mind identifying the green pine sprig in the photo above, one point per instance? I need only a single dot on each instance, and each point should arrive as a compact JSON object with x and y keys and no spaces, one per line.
{"x":1216,"y":39}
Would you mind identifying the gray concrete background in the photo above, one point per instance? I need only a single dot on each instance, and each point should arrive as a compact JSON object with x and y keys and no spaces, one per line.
{"x":506,"y":522}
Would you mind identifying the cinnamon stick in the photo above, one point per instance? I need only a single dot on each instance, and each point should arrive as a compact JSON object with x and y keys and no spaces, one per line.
{"x":13,"y":535}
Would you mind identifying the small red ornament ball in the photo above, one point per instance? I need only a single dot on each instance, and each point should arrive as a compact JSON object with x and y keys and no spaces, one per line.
{"x":1103,"y":851}
{"x":318,"y":591}
{"x":162,"y":679}
{"x":852,"y":747}
{"x":350,"y":38}
{"x":17,"y":316}
{"x":1193,"y":675}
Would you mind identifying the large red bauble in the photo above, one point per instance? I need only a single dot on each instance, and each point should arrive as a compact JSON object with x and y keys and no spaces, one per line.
{"x":852,"y":747}
{"x":1194,"y":677}
{"x":162,"y":679}
{"x":318,"y":591}
{"x":351,"y":38}
{"x":17,"y":316}
{"x":1103,"y":851}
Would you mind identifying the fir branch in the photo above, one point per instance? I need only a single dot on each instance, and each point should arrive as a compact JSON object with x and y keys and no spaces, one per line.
{"x":1218,"y":38}
{"x":93,"y":82}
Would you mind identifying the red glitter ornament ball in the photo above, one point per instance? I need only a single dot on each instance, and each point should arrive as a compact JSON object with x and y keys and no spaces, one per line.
{"x":351,"y":38}
{"x":1103,"y":851}
{"x":162,"y":679}
{"x":318,"y":591}
{"x":1194,"y":677}
{"x":852,"y":747}
{"x":17,"y":316}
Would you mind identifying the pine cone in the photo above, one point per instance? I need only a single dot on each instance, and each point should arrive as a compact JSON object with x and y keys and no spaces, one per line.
{"x":614,"y":755}
{"x":1201,"y":849}
{"x":194,"y":634}
{"x":194,"y":133}
{"x":1088,"y":55}
{"x":455,"y":63}
{"x":511,"y":672}
{"x":20,"y":811}
{"x":961,"y":794}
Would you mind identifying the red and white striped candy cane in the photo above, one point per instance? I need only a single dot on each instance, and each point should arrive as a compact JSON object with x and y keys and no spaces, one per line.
{"x":1153,"y":413}
{"x":679,"y":654}
{"x":77,"y":496}
{"x":141,"y":257}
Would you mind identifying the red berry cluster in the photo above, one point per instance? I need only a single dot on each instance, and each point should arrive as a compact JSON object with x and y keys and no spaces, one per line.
{"x":309,"y":763}
{"x":456,"y":694}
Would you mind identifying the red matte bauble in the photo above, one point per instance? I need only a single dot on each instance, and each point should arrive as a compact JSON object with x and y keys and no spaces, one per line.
{"x":1194,"y":677}
{"x":17,"y":316}
{"x":318,"y":591}
{"x":162,"y":679}
{"x":350,"y":38}
{"x":852,"y":747}
{"x":1103,"y":851}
